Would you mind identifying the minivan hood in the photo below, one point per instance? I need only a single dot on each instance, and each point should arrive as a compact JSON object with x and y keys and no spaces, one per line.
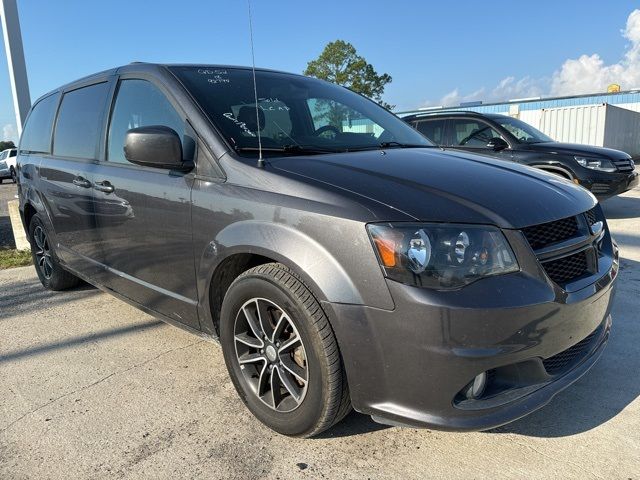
{"x":435,"y":186}
{"x":578,"y":149}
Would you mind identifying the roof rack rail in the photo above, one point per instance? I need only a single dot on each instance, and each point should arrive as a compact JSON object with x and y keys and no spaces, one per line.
{"x":443,"y":112}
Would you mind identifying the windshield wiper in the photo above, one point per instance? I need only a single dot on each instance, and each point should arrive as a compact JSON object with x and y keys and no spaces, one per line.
{"x":392,"y":144}
{"x":404,"y":145}
{"x":291,"y":149}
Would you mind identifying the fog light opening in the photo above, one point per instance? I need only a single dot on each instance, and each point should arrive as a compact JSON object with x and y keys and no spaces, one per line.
{"x":476,"y":387}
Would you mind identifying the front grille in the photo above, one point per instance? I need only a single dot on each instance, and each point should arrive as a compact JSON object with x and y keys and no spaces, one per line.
{"x":547,"y":233}
{"x":570,"y":356}
{"x":624,"y":165}
{"x":567,"y":268}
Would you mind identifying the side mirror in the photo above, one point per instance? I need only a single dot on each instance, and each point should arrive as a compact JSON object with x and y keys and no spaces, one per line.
{"x":497,"y":144}
{"x":154,"y":146}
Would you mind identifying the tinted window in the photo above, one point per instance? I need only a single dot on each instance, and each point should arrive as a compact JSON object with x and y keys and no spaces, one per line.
{"x":12,"y":153}
{"x":524,"y":132}
{"x":80,"y":122}
{"x":433,"y":130}
{"x":471,"y":133}
{"x":36,"y":136}
{"x":139,"y":104}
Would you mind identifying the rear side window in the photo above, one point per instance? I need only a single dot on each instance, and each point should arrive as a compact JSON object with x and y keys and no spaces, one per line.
{"x":80,"y":122}
{"x":433,"y":130}
{"x":36,"y":136}
{"x":471,"y":133}
{"x":12,"y":153}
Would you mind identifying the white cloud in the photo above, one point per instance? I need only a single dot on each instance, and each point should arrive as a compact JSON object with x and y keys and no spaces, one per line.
{"x":586,"y":74}
{"x":9,"y":132}
{"x":507,"y":88}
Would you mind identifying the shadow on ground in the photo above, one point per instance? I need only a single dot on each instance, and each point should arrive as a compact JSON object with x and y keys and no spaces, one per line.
{"x":79,"y":340}
{"x":19,"y":298}
{"x":621,"y":207}
{"x":6,"y":233}
{"x":354,"y":424}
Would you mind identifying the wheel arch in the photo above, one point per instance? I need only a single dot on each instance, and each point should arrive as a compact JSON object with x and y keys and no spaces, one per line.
{"x":245,"y":245}
{"x":556,"y":169}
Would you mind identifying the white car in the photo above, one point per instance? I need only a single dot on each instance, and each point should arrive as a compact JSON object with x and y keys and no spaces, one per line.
{"x":8,"y":164}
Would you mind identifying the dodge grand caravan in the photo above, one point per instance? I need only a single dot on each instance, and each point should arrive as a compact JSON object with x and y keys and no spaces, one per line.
{"x":337,"y":267}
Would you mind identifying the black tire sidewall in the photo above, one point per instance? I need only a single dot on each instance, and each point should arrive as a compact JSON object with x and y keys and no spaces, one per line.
{"x":304,"y":418}
{"x":54,"y":282}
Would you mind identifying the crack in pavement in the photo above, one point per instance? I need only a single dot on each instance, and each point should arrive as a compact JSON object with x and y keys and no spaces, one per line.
{"x":86,"y":387}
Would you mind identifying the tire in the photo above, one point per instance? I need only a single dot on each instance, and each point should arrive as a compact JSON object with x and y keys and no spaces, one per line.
{"x":14,"y":177}
{"x":46,"y":262}
{"x":319,"y":402}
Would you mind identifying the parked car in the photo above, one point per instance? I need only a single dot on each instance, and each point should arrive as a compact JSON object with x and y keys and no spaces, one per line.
{"x":603,"y":171}
{"x":335,"y":268}
{"x":8,"y":164}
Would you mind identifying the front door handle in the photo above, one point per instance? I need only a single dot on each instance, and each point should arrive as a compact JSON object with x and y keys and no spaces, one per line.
{"x":104,"y":186}
{"x":81,"y":182}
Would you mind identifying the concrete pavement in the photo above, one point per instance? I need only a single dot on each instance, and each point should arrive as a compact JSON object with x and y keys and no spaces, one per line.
{"x":93,"y":388}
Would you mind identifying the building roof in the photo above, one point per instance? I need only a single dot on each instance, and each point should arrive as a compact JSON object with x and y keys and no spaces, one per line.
{"x":630,"y":96}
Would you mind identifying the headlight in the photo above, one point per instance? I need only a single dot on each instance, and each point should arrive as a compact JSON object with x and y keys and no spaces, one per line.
{"x":600,"y":164}
{"x":441,"y":256}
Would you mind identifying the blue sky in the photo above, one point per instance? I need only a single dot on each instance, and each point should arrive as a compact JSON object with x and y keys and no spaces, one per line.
{"x":435,"y":51}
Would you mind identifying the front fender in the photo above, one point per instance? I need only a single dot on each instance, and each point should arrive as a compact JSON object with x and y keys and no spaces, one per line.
{"x":293,"y":248}
{"x":316,"y":265}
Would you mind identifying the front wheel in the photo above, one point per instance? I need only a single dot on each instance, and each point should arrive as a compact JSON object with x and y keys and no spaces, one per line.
{"x":281,"y":352}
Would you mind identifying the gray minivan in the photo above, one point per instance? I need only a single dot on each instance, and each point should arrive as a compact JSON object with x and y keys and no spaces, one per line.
{"x":339,"y":258}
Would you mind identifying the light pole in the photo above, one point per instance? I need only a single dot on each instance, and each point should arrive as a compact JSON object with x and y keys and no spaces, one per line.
{"x":15,"y":61}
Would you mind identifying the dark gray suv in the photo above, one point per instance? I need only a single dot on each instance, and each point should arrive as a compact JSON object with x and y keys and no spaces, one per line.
{"x":337,"y":256}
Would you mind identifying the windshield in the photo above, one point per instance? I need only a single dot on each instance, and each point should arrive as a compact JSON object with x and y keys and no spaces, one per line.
{"x":524,"y":132}
{"x":295,"y":114}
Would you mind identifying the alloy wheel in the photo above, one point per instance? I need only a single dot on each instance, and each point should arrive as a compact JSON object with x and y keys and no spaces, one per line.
{"x":43,"y":252}
{"x":271,"y":354}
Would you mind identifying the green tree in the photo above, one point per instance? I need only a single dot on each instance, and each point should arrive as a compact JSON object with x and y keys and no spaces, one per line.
{"x":340,"y":63}
{"x":6,"y":144}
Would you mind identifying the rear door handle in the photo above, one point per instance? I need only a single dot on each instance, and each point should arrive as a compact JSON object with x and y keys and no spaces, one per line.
{"x":104,"y":186}
{"x":82,"y":182}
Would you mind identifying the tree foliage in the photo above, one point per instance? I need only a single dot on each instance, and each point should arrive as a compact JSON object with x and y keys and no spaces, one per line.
{"x":6,"y":144}
{"x":339,"y":63}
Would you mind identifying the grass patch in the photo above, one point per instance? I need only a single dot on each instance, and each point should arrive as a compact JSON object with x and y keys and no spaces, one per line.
{"x":10,"y":258}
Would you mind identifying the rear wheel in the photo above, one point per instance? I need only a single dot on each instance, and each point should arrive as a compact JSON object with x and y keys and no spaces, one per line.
{"x":281,"y":352}
{"x":45,"y":260}
{"x":14,"y":177}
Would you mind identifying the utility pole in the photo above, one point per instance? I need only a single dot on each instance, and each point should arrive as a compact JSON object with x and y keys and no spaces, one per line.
{"x":15,"y":61}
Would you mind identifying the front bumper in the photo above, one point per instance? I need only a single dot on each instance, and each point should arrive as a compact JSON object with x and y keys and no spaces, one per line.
{"x":604,"y":185}
{"x":408,"y":366}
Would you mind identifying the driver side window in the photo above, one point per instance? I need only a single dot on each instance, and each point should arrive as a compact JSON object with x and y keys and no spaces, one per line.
{"x":140,"y":104}
{"x":471,"y":133}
